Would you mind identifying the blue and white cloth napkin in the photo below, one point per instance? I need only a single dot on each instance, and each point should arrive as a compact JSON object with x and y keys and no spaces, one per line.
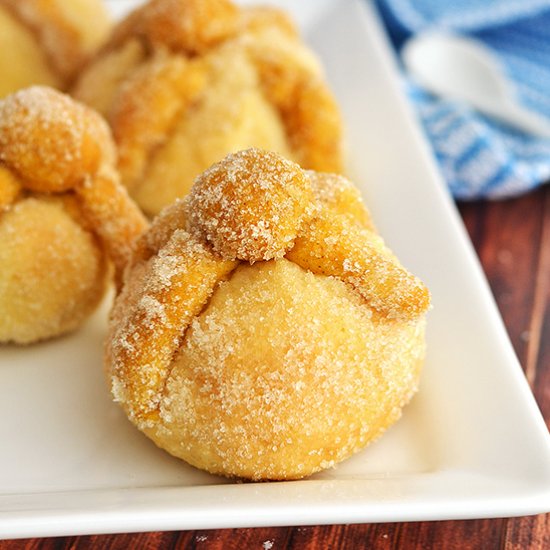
{"x":479,"y":157}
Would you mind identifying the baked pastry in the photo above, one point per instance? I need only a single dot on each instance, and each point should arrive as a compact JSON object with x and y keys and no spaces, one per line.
{"x":264,"y":330}
{"x":184,"y":82}
{"x":47,"y":41}
{"x":63,"y":213}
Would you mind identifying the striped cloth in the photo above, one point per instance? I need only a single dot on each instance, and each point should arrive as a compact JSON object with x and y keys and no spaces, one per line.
{"x":479,"y":157}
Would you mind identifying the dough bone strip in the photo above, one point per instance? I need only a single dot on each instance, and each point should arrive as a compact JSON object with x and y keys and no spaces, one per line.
{"x":306,"y":106}
{"x":112,"y":214}
{"x":187,"y":272}
{"x":148,"y":106}
{"x":333,"y":245}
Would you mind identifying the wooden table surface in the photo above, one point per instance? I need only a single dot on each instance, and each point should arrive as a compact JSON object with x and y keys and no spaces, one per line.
{"x":512,"y":239}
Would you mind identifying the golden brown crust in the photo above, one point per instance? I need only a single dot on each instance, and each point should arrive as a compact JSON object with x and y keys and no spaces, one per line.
{"x":66,"y":39}
{"x":252,"y":206}
{"x":191,"y":26}
{"x":293,"y":81}
{"x":255,"y":206}
{"x":333,"y":191}
{"x":313,"y":124}
{"x":162,"y":227}
{"x":54,"y":145}
{"x":125,"y":30}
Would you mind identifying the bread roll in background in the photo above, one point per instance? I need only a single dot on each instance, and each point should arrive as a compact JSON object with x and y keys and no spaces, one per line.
{"x":185,"y":82}
{"x":64,"y":216}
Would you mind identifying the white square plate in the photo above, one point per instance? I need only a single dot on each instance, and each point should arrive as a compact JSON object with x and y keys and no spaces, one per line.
{"x":471,"y":444}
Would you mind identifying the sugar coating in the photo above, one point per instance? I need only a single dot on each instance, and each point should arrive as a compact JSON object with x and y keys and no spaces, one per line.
{"x":285,"y":373}
{"x":164,"y":85}
{"x":293,"y":83}
{"x":162,"y":227}
{"x":112,"y":215}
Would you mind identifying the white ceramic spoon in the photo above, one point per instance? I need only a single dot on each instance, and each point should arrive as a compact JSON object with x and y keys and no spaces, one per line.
{"x":464,"y":69}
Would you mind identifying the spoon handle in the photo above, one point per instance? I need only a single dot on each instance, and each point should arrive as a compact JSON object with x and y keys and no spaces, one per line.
{"x":518,"y":117}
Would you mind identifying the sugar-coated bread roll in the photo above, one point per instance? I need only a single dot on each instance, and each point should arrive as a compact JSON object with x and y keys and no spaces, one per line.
{"x":264,"y":330}
{"x":63,"y":214}
{"x":184,"y":82}
{"x":48,"y":41}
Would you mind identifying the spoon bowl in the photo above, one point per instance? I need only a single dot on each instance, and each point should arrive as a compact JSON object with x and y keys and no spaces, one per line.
{"x":463,"y":69}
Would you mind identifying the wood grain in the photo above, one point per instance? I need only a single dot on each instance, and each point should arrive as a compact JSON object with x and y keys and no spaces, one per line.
{"x":512,"y":239}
